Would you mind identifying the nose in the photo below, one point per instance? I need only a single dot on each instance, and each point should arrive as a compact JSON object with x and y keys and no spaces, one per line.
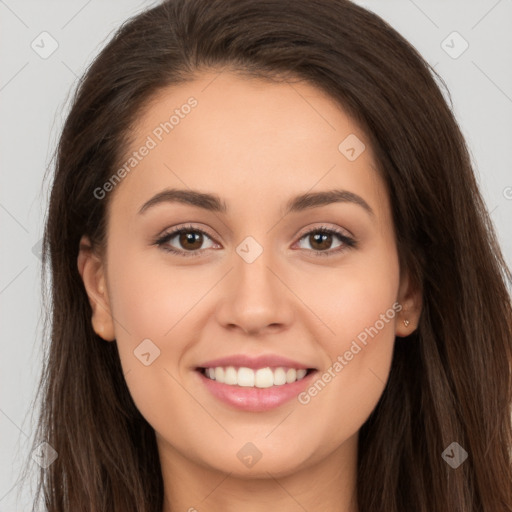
{"x":256,"y":297}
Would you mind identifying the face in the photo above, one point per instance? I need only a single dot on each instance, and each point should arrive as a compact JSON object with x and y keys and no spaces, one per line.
{"x":286,"y":265}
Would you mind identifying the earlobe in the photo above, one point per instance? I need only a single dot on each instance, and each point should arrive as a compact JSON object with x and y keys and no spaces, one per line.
{"x":409,"y":297}
{"x":92,"y":272}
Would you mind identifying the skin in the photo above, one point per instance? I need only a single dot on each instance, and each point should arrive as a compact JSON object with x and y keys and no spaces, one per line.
{"x":256,"y":144}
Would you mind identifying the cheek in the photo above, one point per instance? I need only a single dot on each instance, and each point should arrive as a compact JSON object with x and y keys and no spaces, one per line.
{"x":365,"y":308}
{"x":154,"y":311}
{"x":359,"y":314}
{"x":150,"y":300}
{"x":355,"y":301}
{"x":152,"y":307}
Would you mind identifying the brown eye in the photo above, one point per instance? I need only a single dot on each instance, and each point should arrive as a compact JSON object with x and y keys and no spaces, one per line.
{"x":185,"y":241}
{"x":191,"y":240}
{"x":321,"y":240}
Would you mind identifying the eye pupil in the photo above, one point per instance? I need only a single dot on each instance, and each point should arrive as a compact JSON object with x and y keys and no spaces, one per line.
{"x":321,"y":237}
{"x":191,"y":237}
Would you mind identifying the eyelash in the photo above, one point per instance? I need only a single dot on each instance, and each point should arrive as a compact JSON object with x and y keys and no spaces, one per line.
{"x":348,"y":242}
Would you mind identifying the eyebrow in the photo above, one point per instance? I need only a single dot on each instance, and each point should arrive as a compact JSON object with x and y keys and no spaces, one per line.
{"x":213,"y":203}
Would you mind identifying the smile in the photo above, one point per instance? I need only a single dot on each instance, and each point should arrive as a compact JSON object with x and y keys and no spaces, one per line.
{"x":255,"y":390}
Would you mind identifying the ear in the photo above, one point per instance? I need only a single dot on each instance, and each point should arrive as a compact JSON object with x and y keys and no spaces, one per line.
{"x":92,"y":271}
{"x":409,"y":297}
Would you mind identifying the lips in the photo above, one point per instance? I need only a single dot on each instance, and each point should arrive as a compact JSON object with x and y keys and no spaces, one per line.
{"x":255,"y":383}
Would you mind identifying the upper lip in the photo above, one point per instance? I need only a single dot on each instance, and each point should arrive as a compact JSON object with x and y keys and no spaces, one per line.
{"x":262,"y":361}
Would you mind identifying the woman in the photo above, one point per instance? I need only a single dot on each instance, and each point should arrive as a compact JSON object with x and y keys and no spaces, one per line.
{"x":274,"y":279}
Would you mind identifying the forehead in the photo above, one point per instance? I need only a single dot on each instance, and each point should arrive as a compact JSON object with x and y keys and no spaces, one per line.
{"x":255,"y":140}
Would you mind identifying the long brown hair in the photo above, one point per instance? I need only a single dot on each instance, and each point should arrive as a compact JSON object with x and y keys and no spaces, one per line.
{"x":450,"y":381}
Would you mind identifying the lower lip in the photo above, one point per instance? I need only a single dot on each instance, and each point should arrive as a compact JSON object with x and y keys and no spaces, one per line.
{"x":256,"y":399}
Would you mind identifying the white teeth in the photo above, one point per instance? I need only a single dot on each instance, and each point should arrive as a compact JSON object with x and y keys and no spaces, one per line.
{"x":261,"y":378}
{"x":301,"y":373}
{"x":219,"y":374}
{"x":264,"y":378}
{"x":291,"y":375}
{"x":230,"y":376}
{"x":245,"y":377}
{"x":279,"y":377}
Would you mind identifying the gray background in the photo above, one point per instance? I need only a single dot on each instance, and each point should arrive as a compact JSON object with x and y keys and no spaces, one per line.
{"x":34,"y":94}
